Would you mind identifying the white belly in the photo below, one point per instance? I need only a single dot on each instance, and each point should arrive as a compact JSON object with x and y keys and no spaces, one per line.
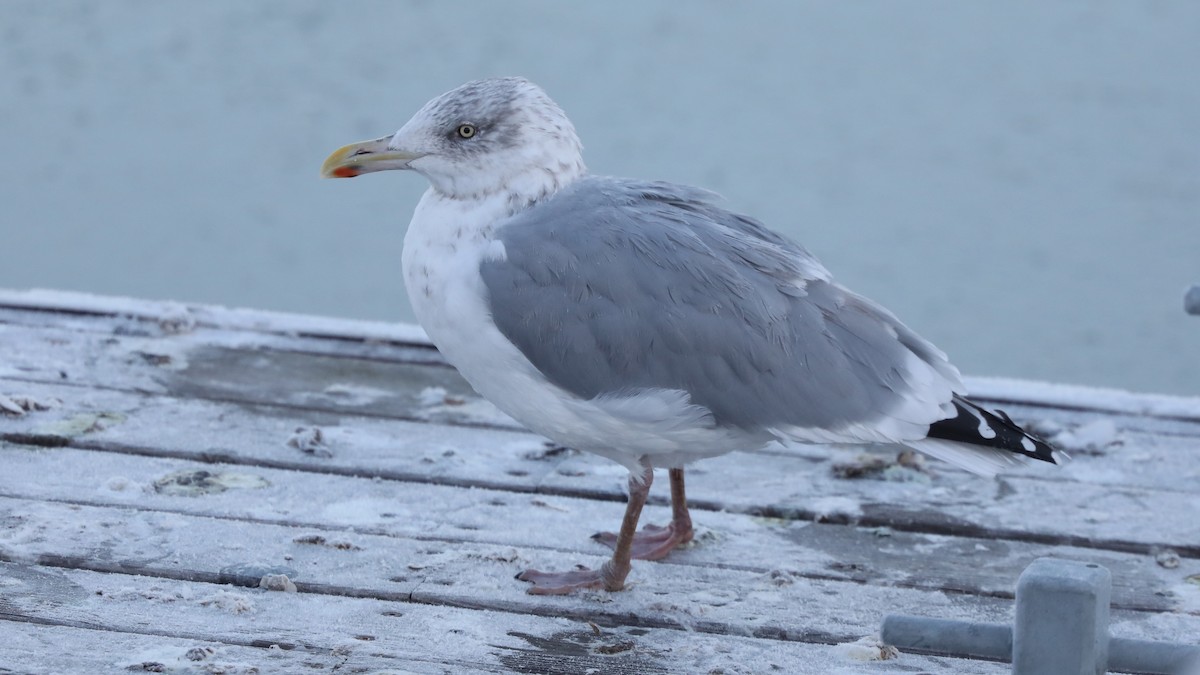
{"x":446,"y":242}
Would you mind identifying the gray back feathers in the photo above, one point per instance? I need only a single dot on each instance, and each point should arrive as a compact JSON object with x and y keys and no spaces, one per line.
{"x":613,"y":286}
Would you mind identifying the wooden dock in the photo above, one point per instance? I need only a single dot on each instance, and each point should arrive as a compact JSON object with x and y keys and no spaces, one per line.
{"x":160,"y":463}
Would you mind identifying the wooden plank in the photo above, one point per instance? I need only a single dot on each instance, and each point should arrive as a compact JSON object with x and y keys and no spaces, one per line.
{"x":414,"y":637}
{"x":191,"y":366}
{"x":180,"y":316}
{"x":221,"y":364}
{"x":34,"y":648}
{"x":1083,"y":398}
{"x":784,"y":485}
{"x":732,"y":541}
{"x":207,"y":410}
{"x":267,"y":337}
{"x":156,"y":350}
{"x":540,"y":529}
{"x":477,"y":577}
{"x":91,"y":312}
{"x":259,"y":435}
{"x":255,"y":434}
{"x":1140,"y":459}
{"x":367,"y":387}
{"x":472,"y":575}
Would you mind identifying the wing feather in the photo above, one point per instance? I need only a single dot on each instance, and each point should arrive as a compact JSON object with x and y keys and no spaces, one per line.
{"x":615,"y":286}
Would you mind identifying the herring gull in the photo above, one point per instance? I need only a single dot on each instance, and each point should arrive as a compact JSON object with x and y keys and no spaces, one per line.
{"x":643,"y":321}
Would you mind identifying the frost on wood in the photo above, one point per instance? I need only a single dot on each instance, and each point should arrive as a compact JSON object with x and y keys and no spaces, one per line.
{"x":176,"y":319}
{"x":179,"y":659}
{"x":505,"y":501}
{"x":1092,"y":438}
{"x":438,"y":403}
{"x":216,"y":315}
{"x":1083,"y":398}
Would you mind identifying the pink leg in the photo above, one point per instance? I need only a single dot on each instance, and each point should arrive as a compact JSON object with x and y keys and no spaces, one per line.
{"x":653,"y":542}
{"x":611,"y":575}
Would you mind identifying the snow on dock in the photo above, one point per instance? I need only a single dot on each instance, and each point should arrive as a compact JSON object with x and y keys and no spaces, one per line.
{"x":197,"y":489}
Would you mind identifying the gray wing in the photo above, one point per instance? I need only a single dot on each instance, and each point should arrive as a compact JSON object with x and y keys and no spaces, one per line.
{"x":613,"y":287}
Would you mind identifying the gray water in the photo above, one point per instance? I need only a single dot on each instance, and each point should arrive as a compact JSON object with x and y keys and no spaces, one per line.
{"x":1018,"y":181}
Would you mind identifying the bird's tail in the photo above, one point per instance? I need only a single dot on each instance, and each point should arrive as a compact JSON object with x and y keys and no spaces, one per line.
{"x":984,"y":441}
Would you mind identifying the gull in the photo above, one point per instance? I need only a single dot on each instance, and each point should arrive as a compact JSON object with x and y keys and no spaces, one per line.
{"x":643,"y":321}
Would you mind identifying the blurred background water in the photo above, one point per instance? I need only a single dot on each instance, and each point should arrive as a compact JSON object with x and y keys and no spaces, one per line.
{"x":1018,"y":181}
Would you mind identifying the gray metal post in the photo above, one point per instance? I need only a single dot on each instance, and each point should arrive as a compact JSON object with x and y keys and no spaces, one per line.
{"x":945,"y":636}
{"x":1144,"y":656}
{"x":1062,"y":619}
{"x":1191,"y":301}
{"x":1061,"y":629}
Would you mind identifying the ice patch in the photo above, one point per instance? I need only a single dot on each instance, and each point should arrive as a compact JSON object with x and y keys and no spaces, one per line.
{"x":368,"y":511}
{"x":714,"y":597}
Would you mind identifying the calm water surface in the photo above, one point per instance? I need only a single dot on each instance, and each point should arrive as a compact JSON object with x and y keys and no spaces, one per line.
{"x":1020,"y":182}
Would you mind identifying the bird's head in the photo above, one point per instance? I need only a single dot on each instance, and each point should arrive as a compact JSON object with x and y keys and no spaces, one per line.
{"x":484,"y":137}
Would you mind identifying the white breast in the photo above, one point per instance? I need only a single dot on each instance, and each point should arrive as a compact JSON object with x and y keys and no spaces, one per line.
{"x":446,"y":242}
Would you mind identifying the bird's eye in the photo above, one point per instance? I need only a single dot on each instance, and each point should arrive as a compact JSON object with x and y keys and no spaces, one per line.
{"x":466,"y":130}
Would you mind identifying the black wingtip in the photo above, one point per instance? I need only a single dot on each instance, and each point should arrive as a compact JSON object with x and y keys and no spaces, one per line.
{"x":976,"y":425}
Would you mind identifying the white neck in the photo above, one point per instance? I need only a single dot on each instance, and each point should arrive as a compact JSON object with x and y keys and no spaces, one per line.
{"x":533,"y":186}
{"x":521,"y":188}
{"x":447,"y":240}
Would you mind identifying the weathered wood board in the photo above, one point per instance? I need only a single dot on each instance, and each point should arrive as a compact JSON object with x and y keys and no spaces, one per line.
{"x":166,"y":458}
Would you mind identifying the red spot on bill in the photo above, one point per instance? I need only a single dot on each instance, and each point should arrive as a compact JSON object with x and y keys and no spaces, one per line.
{"x":345,"y":172}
